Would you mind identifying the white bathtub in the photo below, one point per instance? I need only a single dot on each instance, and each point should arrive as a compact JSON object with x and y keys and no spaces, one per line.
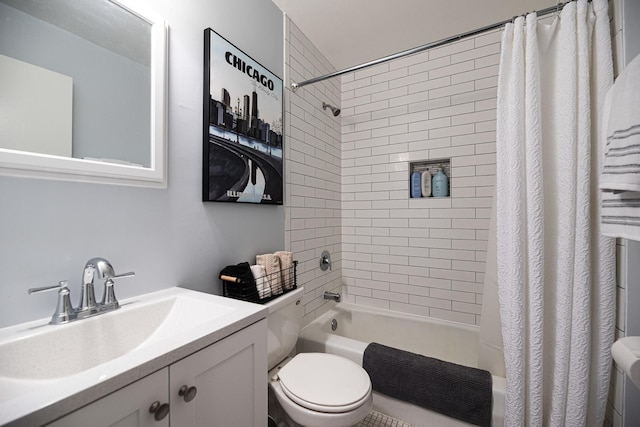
{"x":357,"y":326}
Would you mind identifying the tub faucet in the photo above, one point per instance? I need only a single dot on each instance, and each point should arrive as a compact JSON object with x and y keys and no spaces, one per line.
{"x":335,"y":296}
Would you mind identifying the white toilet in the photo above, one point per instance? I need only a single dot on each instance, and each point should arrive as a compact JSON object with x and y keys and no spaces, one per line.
{"x":311,"y":389}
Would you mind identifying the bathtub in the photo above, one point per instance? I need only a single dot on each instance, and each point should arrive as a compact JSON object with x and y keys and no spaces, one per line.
{"x":357,"y":326}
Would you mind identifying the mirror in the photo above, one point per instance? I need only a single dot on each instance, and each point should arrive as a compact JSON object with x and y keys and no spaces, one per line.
{"x":83,"y":91}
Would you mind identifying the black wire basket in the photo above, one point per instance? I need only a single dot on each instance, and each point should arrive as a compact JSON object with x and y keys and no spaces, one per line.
{"x":264,"y":288}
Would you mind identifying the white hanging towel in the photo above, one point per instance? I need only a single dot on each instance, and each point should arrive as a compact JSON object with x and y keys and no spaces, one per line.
{"x":286,"y":262}
{"x":620,"y":178}
{"x":271,"y":264}
{"x":262,"y":285}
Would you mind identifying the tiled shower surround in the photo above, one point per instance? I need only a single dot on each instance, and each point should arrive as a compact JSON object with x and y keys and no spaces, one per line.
{"x":423,"y":256}
{"x":312,"y":170}
{"x":347,"y":177}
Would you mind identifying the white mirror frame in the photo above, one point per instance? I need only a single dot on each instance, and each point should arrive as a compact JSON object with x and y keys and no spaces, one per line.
{"x":34,"y":165}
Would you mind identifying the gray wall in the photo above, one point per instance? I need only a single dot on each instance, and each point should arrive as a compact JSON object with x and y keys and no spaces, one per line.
{"x":48,"y":229}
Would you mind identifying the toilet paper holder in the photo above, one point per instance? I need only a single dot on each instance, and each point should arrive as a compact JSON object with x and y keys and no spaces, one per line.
{"x":626,"y":353}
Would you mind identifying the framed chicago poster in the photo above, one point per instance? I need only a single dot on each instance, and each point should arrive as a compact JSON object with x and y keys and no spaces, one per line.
{"x":242,"y":127}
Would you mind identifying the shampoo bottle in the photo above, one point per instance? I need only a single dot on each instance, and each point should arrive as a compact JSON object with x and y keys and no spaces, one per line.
{"x":440,"y":185}
{"x":416,"y":190}
{"x":426,"y":184}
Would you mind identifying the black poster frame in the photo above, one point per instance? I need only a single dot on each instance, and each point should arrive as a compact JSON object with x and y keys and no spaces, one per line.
{"x":243,"y":142}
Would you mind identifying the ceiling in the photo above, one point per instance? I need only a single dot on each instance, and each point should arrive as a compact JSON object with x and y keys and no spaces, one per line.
{"x":352,"y":32}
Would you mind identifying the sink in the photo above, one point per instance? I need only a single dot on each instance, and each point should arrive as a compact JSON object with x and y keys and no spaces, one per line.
{"x":61,"y":350}
{"x":49,"y":370}
{"x":55,"y":351}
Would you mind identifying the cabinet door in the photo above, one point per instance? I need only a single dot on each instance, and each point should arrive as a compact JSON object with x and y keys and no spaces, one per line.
{"x":127,"y":407}
{"x":231,"y":381}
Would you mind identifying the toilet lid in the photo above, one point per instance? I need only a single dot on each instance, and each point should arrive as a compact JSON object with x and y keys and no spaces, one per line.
{"x":325,"y":382}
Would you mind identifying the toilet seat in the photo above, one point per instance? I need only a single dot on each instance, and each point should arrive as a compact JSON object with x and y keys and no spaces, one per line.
{"x":325,"y":382}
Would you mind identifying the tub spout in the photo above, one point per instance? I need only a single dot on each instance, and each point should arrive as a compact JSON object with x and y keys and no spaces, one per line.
{"x":335,"y":296}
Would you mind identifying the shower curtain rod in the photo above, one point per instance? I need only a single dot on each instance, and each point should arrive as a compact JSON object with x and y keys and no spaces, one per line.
{"x":295,"y":86}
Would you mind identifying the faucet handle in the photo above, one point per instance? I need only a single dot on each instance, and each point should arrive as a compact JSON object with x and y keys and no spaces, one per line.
{"x":64,"y":310}
{"x":325,"y":261}
{"x":109,"y":300}
{"x":123,"y":275}
{"x":60,"y":285}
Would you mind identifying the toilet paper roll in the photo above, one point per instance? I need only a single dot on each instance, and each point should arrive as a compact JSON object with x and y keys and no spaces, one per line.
{"x":626,"y":353}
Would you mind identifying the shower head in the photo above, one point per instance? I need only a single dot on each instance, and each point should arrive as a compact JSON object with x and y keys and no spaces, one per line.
{"x":334,"y":110}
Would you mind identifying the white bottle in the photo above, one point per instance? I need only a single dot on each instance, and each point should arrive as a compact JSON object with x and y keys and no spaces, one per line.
{"x":426,"y":184}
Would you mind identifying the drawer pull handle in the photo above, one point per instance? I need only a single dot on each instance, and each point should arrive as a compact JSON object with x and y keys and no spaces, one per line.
{"x":188,"y":393}
{"x":159,"y":411}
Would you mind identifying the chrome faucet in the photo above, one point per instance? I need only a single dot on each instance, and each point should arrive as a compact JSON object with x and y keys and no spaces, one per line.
{"x":335,"y":296}
{"x":94,"y":269}
{"x":98,"y":268}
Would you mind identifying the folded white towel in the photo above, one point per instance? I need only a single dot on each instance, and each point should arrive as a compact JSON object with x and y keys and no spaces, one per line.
{"x":286,"y":262}
{"x":271,"y":264}
{"x":262,"y":285}
{"x":621,"y":170}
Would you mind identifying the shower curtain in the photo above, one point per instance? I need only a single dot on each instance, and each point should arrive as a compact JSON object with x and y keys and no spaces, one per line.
{"x":556,"y":273}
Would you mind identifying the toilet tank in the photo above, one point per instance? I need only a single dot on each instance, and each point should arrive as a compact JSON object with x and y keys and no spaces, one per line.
{"x":284,"y":322}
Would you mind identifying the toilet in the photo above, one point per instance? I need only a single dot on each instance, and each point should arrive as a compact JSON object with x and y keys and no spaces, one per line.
{"x":310,"y":389}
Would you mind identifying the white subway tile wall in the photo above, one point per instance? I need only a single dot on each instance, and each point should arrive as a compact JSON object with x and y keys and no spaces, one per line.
{"x":312,"y":170}
{"x":424,"y":256}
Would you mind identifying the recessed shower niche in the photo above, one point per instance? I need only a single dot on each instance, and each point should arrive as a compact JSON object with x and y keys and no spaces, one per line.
{"x":430,"y":179}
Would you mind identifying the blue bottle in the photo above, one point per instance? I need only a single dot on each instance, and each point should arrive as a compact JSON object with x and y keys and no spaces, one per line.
{"x":416,"y":185}
{"x":440,"y":185}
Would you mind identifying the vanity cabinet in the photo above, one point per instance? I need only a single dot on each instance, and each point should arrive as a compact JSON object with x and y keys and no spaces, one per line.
{"x":224,"y":384}
{"x":231,"y":381}
{"x":127,"y":407}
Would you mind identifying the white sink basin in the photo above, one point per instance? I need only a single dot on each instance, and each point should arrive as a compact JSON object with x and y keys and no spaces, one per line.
{"x":55,"y":351}
{"x":48,"y":370}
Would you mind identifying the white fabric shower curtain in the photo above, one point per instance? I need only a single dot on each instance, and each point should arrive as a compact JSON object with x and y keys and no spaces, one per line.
{"x":556,"y":273}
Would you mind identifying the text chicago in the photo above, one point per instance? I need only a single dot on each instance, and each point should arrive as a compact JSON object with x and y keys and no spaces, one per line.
{"x":248,"y":69}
